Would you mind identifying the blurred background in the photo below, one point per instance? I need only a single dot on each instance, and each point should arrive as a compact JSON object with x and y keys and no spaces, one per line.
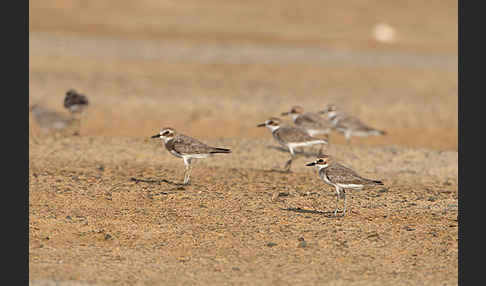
{"x":215,"y":69}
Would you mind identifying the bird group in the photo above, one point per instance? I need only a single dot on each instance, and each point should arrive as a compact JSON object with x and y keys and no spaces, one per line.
{"x":307,"y":126}
{"x":49,"y":120}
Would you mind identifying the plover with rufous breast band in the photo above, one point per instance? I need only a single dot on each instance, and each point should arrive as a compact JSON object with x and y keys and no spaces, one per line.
{"x":340,"y":177}
{"x":187,"y":148}
{"x":349,"y":125}
{"x":290,"y":137}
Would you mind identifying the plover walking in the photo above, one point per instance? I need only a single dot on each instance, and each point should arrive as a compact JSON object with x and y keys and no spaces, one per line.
{"x":187,"y":148}
{"x":314,"y":123}
{"x":340,"y":177}
{"x":75,"y":102}
{"x":290,"y":137}
{"x":349,"y":125}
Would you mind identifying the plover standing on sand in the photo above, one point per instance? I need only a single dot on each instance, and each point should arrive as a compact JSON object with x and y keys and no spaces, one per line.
{"x":340,"y":177}
{"x":290,"y":137}
{"x":48,"y":120}
{"x":314,"y":123}
{"x":75,"y":102}
{"x":349,"y":125}
{"x":187,"y":148}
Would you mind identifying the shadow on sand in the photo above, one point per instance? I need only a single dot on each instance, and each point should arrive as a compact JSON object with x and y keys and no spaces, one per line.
{"x":329,"y":214}
{"x":178,"y":186}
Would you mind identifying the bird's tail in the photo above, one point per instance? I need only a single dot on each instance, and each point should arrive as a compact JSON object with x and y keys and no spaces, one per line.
{"x":220,"y":150}
{"x":378,"y":132}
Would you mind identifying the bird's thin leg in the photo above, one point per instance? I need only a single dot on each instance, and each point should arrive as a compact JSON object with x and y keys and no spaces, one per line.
{"x":187,"y":171}
{"x":289,"y":162}
{"x":76,"y":122}
{"x":337,"y":200}
{"x":79,"y":122}
{"x":344,"y":197}
{"x":348,"y":136}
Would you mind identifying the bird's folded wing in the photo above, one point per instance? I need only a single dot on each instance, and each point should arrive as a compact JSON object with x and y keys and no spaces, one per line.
{"x":312,"y":119}
{"x":187,"y":145}
{"x":340,"y":174}
{"x":293,"y":134}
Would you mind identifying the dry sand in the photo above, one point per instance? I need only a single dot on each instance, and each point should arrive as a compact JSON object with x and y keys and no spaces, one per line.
{"x":105,"y":207}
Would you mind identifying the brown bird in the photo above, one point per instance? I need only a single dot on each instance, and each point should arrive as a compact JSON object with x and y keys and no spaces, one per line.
{"x":340,"y":177}
{"x":75,"y":102}
{"x":348,"y":125}
{"x":47,"y":120}
{"x":187,"y":148}
{"x":290,"y":137}
{"x":314,"y":123}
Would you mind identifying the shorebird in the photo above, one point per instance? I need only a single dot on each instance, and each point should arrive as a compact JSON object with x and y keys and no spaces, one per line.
{"x":340,"y":177}
{"x":75,"y":102}
{"x":348,"y":125}
{"x":48,"y":119}
{"x":187,"y":148}
{"x":314,"y":123}
{"x":290,"y":137}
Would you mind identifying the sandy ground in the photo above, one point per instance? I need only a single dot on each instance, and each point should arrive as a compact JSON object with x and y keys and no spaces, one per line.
{"x":105,"y":207}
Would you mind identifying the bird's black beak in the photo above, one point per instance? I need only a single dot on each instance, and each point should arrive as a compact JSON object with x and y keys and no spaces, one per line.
{"x":310,"y":164}
{"x":155,"y":136}
{"x":261,"y":125}
{"x":285,"y":113}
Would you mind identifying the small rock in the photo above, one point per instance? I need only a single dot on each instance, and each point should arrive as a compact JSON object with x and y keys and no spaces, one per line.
{"x":432,"y":199}
{"x":407,"y":228}
{"x":271,"y":244}
{"x":108,"y":236}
